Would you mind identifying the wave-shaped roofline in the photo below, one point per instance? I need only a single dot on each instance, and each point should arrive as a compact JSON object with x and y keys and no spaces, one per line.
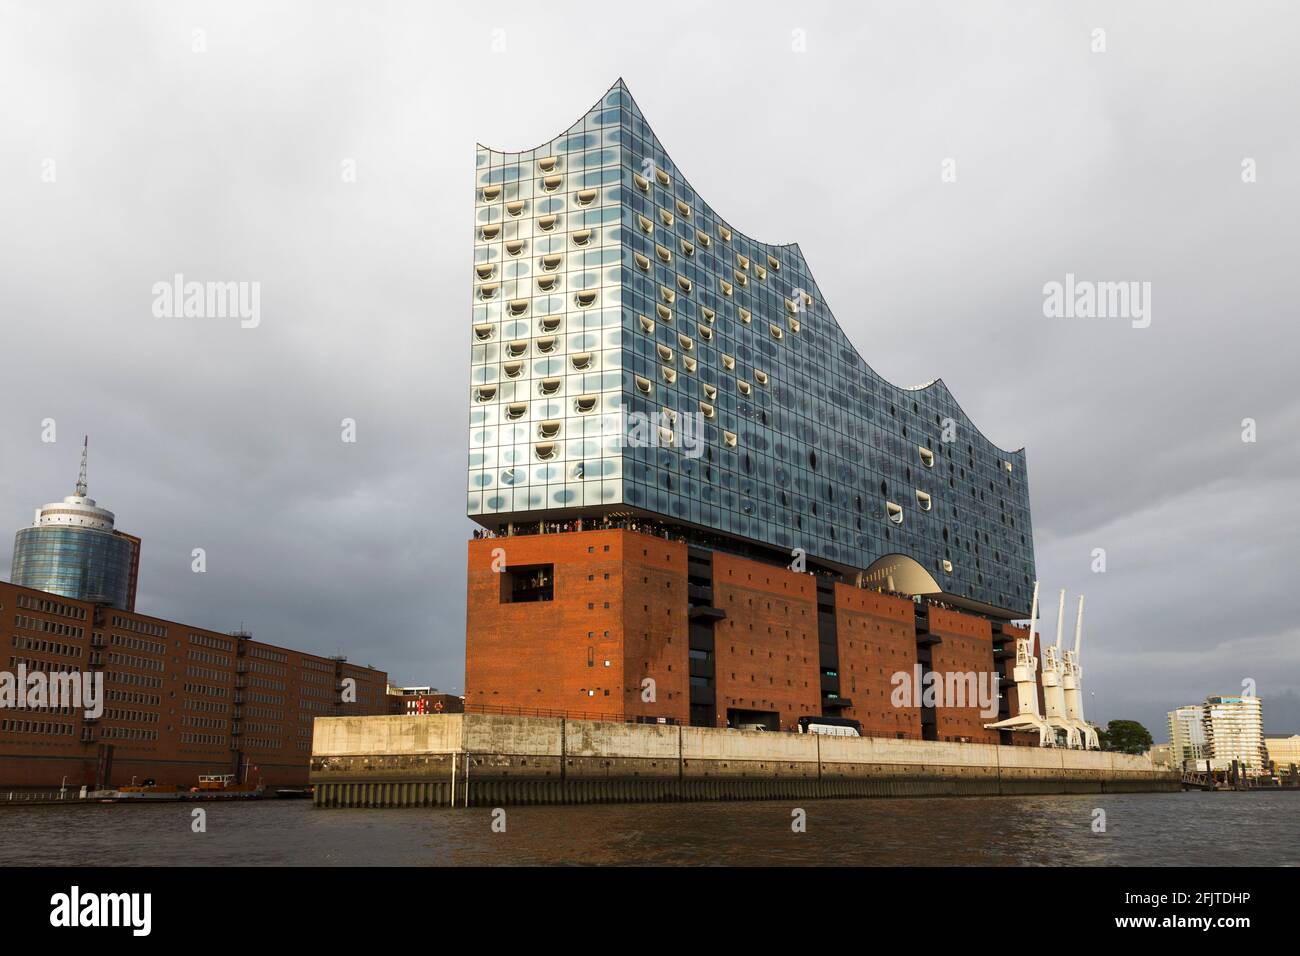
{"x":937,"y":383}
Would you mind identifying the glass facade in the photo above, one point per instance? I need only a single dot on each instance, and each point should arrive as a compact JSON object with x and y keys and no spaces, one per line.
{"x":74,"y":562}
{"x":605,"y":286}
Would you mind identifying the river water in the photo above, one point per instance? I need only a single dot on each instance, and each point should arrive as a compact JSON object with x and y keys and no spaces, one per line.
{"x":1177,"y":829}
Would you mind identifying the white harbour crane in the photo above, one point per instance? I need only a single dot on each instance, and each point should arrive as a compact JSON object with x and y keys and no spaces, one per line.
{"x":1025,"y":673}
{"x":1072,"y":686}
{"x":1053,"y":693}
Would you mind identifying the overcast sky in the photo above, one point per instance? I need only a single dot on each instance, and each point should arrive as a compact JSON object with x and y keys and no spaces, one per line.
{"x":225,"y":163}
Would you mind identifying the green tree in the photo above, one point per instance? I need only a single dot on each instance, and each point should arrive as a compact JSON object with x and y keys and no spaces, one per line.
{"x":1125,"y":736}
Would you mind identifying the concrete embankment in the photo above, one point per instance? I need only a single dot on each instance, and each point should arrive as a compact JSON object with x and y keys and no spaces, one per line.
{"x":484,"y":760}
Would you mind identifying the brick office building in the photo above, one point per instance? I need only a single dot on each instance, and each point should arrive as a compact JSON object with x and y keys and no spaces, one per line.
{"x":179,"y":700}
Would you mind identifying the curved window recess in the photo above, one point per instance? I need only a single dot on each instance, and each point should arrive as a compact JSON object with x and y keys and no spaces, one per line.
{"x":794,"y":324}
{"x":665,"y":353}
{"x":688,"y":249}
{"x":742,"y":261}
{"x":642,"y":183}
{"x":1007,"y":465}
{"x":548,"y":429}
{"x":548,"y":386}
{"x":483,"y":332}
{"x":665,"y":255}
{"x":518,"y":307}
{"x":776,"y":332}
{"x":546,"y":283}
{"x":761,"y":273}
{"x":729,"y":362}
{"x":774,"y":263}
{"x":706,"y":410}
{"x":807,"y":299}
{"x":587,"y":196}
{"x":586,"y":299}
{"x":669,"y":416}
{"x":894,"y":511}
{"x":663,"y":177}
{"x":760,"y":377}
{"x":667,"y":294}
{"x":488,"y":291}
{"x":791,"y":306}
{"x":486,"y":272}
{"x":515,"y":246}
{"x":724,"y":233}
{"x":584,"y":403}
{"x":726,"y":287}
{"x":647,"y":225}
{"x":547,"y":223}
{"x":547,"y":163}
{"x":923,"y":501}
{"x":552,"y":262}
{"x":664,"y":312}
{"x":547,"y":345}
{"x":947,"y":565}
{"x":489,"y":232}
{"x":683,"y":210}
{"x":742,"y":279}
{"x":729,"y":439}
{"x":927,"y":457}
{"x":743,"y":387}
{"x":551,"y":324}
{"x":710,"y":391}
{"x":517,"y":348}
{"x":552,"y":183}
{"x":669,"y":374}
{"x":702,"y":238}
{"x":491,"y":193}
{"x":684,"y":284}
{"x":642,"y":384}
{"x":516,"y":411}
{"x":706,"y":333}
{"x":689,"y":363}
{"x":545,"y":451}
{"x":581,"y":361}
{"x":485,"y":393}
{"x":513,"y":369}
{"x":643,"y":262}
{"x":746,"y":316}
{"x":666,"y":218}
{"x":515,"y":208}
{"x":707,"y":314}
{"x":665,"y":436}
{"x":582,"y":237}
{"x":685,"y":342}
{"x":647,"y":325}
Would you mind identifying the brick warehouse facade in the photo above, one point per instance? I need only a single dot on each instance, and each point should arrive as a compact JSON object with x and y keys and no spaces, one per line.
{"x":575,"y":622}
{"x":179,"y":700}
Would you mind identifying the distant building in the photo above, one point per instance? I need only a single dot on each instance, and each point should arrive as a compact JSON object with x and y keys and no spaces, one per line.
{"x":178,"y":700}
{"x":1283,"y":752}
{"x":1234,"y":730}
{"x":73,"y":550}
{"x":1187,"y":735}
{"x":1162,"y":756}
{"x":413,"y":701}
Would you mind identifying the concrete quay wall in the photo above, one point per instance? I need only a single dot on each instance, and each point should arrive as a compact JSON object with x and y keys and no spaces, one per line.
{"x":489,"y":760}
